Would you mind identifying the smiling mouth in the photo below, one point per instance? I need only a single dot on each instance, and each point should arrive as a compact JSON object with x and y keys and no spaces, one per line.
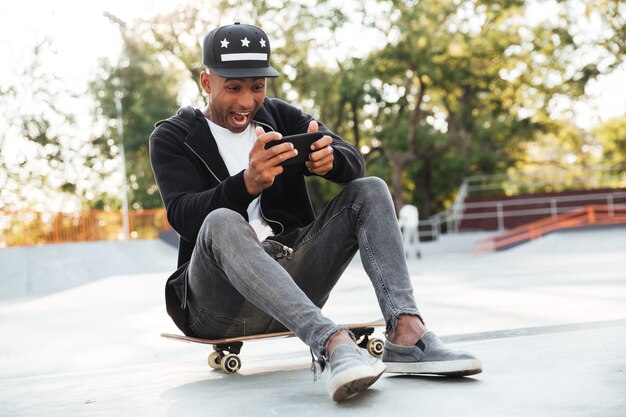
{"x":240,"y":119}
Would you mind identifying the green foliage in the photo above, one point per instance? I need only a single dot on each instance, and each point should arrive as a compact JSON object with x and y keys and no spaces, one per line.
{"x":461,"y":87}
{"x":438,"y":77}
{"x":44,"y":156}
{"x":457,"y":88}
{"x":147,"y":92}
{"x":611,"y":135}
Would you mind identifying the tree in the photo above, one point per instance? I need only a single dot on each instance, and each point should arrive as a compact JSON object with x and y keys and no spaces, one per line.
{"x":44,"y":155}
{"x":460,"y":86}
{"x":147,"y":90}
{"x":612,"y":137}
{"x":561,"y":156}
{"x":428,"y":84}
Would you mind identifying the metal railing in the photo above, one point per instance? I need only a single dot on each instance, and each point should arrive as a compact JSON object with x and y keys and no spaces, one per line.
{"x":22,"y":228}
{"x":591,"y":215}
{"x":499,"y":211}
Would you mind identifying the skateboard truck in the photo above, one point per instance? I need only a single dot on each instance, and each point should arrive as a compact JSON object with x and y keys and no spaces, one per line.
{"x":226,"y":357}
{"x":373,"y":346}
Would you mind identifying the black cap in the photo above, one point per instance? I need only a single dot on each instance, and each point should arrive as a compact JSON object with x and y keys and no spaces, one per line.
{"x":238,"y":51}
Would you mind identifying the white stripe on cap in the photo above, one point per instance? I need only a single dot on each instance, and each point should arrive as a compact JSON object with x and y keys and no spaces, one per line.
{"x":244,"y":57}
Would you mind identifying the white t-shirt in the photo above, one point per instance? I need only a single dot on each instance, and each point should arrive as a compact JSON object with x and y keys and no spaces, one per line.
{"x":234,"y":149}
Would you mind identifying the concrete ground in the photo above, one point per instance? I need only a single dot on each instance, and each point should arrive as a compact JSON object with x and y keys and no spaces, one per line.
{"x":548,"y":320}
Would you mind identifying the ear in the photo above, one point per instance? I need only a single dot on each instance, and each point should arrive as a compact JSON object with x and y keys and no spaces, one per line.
{"x":205,"y":82}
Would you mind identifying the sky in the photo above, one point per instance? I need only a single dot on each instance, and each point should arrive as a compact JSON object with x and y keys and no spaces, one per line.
{"x":79,"y":31}
{"x":81,"y":35}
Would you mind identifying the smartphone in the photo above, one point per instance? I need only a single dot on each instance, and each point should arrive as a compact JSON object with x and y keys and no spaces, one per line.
{"x":302,"y":142}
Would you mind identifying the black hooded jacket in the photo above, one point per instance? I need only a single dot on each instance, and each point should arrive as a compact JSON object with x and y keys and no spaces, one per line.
{"x":193,"y":181}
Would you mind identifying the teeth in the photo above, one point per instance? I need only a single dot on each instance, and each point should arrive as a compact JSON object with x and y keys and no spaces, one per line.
{"x":240,"y":118}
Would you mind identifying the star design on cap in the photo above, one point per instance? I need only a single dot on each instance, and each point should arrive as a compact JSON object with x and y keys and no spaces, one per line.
{"x":262,"y":43}
{"x":224,"y":43}
{"x":245,"y":42}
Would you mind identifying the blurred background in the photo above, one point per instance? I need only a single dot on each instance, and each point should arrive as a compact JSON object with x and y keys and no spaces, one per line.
{"x":515,"y":109}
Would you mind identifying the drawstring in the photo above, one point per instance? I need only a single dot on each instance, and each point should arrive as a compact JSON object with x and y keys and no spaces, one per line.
{"x":317,"y":365}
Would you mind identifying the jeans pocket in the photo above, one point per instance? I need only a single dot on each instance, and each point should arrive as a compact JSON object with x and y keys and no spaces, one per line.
{"x":211,"y":325}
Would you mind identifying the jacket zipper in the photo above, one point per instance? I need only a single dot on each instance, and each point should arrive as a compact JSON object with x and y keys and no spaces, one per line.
{"x":282,"y":227}
{"x":263,"y":124}
{"x":184,"y":303}
{"x":205,"y":164}
{"x":287,"y":252}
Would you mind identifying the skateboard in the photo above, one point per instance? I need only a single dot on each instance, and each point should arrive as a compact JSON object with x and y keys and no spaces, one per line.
{"x":225,"y":356}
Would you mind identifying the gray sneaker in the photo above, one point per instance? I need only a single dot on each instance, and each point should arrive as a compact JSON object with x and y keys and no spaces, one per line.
{"x":352,"y":371}
{"x":429,"y":356}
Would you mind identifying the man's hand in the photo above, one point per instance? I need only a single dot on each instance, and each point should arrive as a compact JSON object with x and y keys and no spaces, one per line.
{"x":264,"y":164}
{"x":321,"y":158}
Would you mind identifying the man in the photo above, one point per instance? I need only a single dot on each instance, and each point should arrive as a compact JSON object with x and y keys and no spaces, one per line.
{"x":253,"y":258}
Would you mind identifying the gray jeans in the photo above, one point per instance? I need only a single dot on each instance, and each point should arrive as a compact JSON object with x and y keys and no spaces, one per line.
{"x":240,"y":286}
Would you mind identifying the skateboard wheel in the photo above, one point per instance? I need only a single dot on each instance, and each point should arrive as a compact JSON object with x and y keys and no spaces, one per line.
{"x":215,"y":360}
{"x":375,"y":347}
{"x":231,"y":363}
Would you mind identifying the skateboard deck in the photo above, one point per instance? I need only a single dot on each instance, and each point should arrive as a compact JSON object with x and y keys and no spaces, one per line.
{"x":226,"y":350}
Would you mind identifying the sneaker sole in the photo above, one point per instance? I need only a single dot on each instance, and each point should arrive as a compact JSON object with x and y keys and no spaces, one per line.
{"x":446,"y":368}
{"x":354,"y":380}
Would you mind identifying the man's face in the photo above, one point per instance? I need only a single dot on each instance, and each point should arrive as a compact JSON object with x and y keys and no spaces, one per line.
{"x":233,"y":101}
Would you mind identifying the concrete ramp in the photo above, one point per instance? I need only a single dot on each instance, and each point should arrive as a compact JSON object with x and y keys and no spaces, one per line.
{"x":40,"y":270}
{"x":548,"y":320}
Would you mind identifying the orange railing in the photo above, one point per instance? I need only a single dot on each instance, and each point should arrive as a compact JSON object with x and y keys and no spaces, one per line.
{"x":35,"y":228}
{"x":592,"y":215}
